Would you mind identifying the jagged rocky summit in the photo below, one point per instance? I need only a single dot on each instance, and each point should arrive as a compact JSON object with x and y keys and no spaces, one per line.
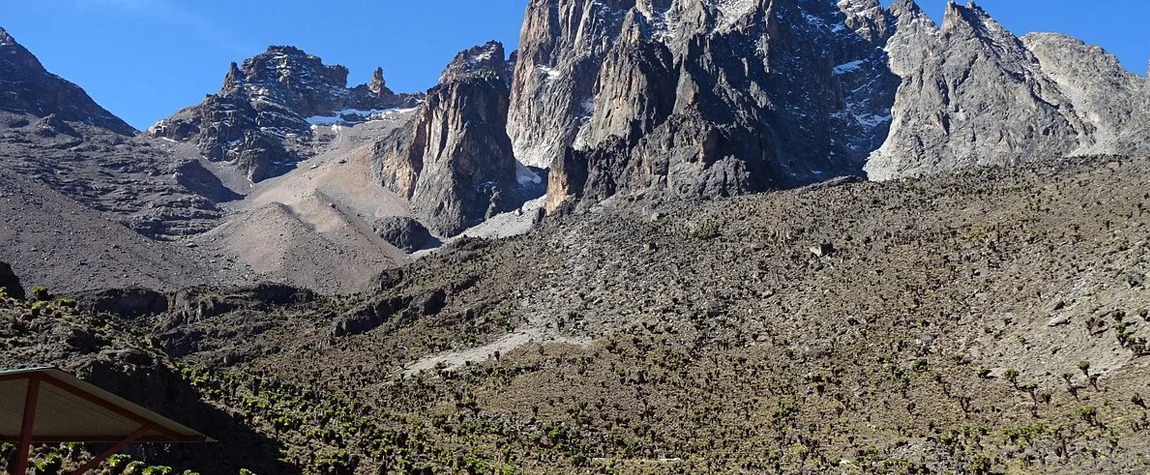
{"x":690,"y":99}
{"x":261,"y":119}
{"x":699,"y":99}
{"x":973,"y":93}
{"x":720,"y":97}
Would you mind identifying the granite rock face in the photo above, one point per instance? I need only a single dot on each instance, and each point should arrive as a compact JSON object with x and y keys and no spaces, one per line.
{"x":1114,"y":102}
{"x":454,"y":163}
{"x":700,"y":99}
{"x":973,"y":93}
{"x":261,"y":119}
{"x":27,"y":88}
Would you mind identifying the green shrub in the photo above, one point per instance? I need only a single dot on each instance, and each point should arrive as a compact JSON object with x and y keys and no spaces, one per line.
{"x":41,"y":293}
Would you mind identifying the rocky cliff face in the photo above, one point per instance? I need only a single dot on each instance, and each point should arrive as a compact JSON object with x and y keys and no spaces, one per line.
{"x":1114,"y":102}
{"x":261,"y":119}
{"x":454,"y":163}
{"x":27,"y":88}
{"x":972,"y":93}
{"x":719,"y":97}
{"x":700,"y":99}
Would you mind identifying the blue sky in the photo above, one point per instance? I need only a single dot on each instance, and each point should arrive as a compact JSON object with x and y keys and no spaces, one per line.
{"x":145,"y":59}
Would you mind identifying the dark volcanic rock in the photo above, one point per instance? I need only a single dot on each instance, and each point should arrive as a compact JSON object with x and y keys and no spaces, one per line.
{"x":261,"y":119}
{"x":371,"y":316}
{"x":191,"y":305}
{"x":125,"y":303}
{"x":28,"y":88}
{"x":455,"y":163}
{"x":403,"y":232}
{"x":10,"y":282}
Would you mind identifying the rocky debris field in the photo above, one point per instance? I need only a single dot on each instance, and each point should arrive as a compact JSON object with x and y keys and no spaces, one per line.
{"x":993,"y":321}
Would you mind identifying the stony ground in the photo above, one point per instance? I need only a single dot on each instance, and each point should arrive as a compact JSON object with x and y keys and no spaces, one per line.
{"x":988,"y":322}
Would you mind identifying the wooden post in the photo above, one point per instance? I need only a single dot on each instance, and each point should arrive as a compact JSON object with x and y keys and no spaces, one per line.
{"x":112,"y":451}
{"x":30,"y":400}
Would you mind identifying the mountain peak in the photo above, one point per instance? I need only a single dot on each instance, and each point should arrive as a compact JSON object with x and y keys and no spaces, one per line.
{"x":901,"y":8}
{"x":280,"y":94}
{"x":489,"y":58}
{"x":5,"y":38}
{"x":30,"y":89}
{"x":969,"y":16}
{"x":285,"y":49}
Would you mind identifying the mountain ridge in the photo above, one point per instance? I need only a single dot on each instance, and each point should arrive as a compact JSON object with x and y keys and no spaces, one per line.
{"x":636,"y":99}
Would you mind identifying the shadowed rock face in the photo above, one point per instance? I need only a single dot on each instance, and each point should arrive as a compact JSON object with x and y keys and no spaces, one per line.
{"x":455,"y":163}
{"x":10,"y":282}
{"x":261,"y":119}
{"x":403,"y":232}
{"x":28,"y":88}
{"x":701,"y":99}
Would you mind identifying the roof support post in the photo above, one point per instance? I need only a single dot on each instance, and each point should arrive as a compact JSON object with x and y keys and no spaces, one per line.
{"x":112,"y":451}
{"x":30,"y":401}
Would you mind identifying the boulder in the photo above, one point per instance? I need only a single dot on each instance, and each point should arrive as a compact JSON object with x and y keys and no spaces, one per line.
{"x":403,"y":232}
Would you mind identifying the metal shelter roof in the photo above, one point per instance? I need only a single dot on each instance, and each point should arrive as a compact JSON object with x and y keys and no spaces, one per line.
{"x":71,"y":410}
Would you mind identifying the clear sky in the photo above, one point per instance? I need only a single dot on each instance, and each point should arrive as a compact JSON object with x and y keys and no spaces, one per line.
{"x":145,"y":59}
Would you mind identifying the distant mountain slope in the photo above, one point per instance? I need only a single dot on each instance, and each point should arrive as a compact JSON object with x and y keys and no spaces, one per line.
{"x":52,"y":132}
{"x":27,"y":88}
{"x":54,"y":241}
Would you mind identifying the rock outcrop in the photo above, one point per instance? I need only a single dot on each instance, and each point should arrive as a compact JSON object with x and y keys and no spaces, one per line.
{"x":454,"y":163}
{"x":130,"y":303}
{"x":403,"y":232}
{"x":28,"y":88}
{"x":10,"y":282}
{"x":261,"y":119}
